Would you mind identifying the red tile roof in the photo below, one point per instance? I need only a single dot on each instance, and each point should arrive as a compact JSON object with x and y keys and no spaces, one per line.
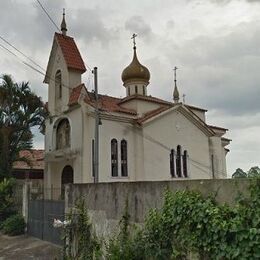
{"x":109,"y":104}
{"x":36,"y":158}
{"x":152,"y":113}
{"x":146,"y":98}
{"x":75,"y":94}
{"x":70,"y":52}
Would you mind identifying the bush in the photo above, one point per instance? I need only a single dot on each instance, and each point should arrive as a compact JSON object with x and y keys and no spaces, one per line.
{"x":6,"y":199}
{"x":14,"y":225}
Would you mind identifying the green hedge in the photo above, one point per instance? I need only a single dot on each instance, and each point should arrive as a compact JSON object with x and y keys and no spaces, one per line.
{"x":13,"y":225}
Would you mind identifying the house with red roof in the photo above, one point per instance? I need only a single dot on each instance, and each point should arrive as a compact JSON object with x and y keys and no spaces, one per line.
{"x":141,"y":137}
{"x":31,"y":167}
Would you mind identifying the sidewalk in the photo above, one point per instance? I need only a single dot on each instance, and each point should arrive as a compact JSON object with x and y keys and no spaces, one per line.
{"x":25,"y":247}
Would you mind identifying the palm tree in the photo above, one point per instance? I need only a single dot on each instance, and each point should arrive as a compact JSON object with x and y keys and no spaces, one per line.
{"x":20,"y":110}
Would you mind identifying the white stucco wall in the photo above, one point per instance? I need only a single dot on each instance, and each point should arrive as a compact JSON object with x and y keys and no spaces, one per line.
{"x":171,"y":130}
{"x":141,"y":106}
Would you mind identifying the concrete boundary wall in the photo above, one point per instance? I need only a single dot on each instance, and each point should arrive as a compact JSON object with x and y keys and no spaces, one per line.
{"x":106,"y":201}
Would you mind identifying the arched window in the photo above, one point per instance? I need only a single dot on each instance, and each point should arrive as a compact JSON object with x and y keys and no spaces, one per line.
{"x":124,"y":158}
{"x":58,"y":84}
{"x":144,"y":90}
{"x":184,"y":160}
{"x":178,"y":161}
{"x":114,"y":158}
{"x":63,"y":134}
{"x":136,"y":90}
{"x":172,"y":163}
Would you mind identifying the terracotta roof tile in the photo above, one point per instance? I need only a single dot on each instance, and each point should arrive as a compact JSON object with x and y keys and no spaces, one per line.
{"x":109,"y":104}
{"x":36,"y":158}
{"x":152,"y":113}
{"x":75,"y":94}
{"x":146,"y":98}
{"x":70,"y":52}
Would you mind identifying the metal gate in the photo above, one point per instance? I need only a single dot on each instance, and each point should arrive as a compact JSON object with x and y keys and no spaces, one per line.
{"x":41,"y":214}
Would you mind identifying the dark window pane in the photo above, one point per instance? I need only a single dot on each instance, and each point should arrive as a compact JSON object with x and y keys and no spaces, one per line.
{"x":114,"y":158}
{"x":124,"y":158}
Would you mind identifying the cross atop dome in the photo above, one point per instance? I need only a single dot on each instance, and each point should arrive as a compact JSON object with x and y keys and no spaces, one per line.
{"x":135,"y":76}
{"x":133,"y":37}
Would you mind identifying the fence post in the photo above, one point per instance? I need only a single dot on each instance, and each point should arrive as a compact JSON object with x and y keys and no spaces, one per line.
{"x":25,"y":201}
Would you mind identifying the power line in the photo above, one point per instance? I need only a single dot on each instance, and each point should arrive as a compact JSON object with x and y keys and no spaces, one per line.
{"x":45,"y":11}
{"x":146,"y":136}
{"x":27,"y":57}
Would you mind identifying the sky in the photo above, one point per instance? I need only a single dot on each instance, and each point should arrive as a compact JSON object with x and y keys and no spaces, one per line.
{"x":214,"y":43}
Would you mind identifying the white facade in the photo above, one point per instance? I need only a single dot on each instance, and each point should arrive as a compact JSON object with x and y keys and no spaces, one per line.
{"x":150,"y":126}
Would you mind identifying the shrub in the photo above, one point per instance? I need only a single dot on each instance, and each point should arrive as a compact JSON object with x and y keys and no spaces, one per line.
{"x":6,"y":199}
{"x":14,"y":225}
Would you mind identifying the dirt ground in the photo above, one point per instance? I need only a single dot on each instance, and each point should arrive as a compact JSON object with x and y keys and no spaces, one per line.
{"x":25,"y":247}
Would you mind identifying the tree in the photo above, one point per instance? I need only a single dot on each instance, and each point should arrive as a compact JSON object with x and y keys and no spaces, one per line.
{"x":20,"y":110}
{"x":239,"y":173}
{"x":254,"y":172}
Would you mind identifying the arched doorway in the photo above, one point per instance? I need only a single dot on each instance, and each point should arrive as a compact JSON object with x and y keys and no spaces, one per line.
{"x":66,"y":178}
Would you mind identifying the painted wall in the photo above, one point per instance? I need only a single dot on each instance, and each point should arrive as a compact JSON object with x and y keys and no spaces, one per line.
{"x":171,"y":130}
{"x":106,"y":201}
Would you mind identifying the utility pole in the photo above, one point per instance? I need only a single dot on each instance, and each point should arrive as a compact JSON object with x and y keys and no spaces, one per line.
{"x":97,"y":120}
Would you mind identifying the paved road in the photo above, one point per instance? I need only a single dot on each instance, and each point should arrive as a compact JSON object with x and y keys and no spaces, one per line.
{"x":25,"y":247}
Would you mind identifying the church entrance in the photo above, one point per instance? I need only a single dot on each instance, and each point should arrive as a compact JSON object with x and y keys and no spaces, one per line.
{"x":66,"y":178}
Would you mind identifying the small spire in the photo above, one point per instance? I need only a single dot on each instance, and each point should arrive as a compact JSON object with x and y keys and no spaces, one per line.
{"x":176,"y":95}
{"x":63,"y":25}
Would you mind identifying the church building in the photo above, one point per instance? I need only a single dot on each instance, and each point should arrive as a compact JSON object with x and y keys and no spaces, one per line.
{"x":141,"y":137}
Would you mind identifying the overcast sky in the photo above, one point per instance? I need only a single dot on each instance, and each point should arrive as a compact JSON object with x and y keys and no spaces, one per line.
{"x":214,"y":43}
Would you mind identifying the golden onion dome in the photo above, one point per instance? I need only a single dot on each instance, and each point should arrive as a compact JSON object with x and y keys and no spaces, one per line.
{"x":135,"y":71}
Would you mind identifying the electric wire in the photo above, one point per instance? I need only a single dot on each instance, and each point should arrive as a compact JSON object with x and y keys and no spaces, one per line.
{"x":45,"y":11}
{"x":146,"y":136}
{"x":27,"y":57}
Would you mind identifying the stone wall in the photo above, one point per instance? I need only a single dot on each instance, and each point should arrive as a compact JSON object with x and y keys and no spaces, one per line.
{"x":106,"y":201}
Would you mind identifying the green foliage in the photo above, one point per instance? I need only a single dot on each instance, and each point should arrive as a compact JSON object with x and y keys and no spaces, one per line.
{"x":189,"y":223}
{"x":124,"y":244}
{"x":80,"y":241}
{"x":239,"y":173}
{"x":14,"y":225}
{"x":6,"y":199}
{"x":20,"y":110}
{"x":253,"y":172}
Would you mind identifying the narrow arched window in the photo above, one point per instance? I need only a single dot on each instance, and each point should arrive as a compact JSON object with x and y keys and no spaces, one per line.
{"x":185,"y":168}
{"x":114,"y":158}
{"x":144,"y":90}
{"x":93,"y":157}
{"x":178,"y":161}
{"x":124,"y":158}
{"x":136,"y":90}
{"x":172,"y":163}
{"x":58,"y":84}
